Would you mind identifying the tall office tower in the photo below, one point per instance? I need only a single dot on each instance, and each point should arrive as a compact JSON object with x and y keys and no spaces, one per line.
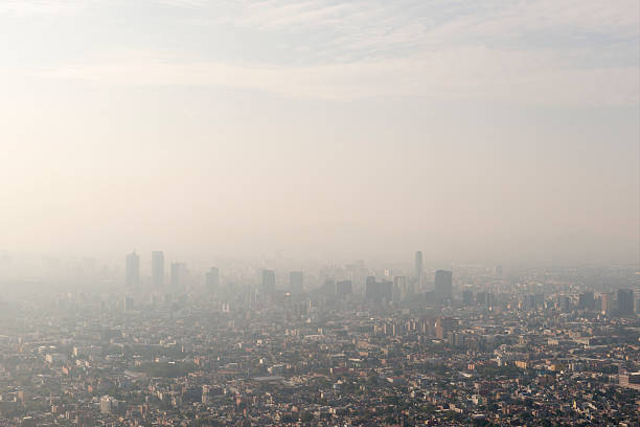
{"x":443,"y":284}
{"x":378,"y":291}
{"x":157,"y":269}
{"x":343,"y":287}
{"x":132,"y":270}
{"x":467,"y":297}
{"x":418,"y":270}
{"x":268,"y":282}
{"x":564,"y":303}
{"x":212,"y":279}
{"x":491,"y":300}
{"x":178,"y":275}
{"x":295,"y":282}
{"x":498,"y":271}
{"x":369,"y":286}
{"x":386,"y":290}
{"x":586,"y":301}
{"x":400,"y":289}
{"x":625,"y":302}
{"x":607,"y":303}
{"x":329,"y":287}
{"x":481,"y":298}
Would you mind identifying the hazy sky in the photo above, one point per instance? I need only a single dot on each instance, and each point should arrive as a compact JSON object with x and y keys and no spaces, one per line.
{"x":472,"y":130}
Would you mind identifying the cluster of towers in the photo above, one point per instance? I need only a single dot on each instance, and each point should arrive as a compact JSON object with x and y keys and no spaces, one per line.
{"x":383,"y":289}
{"x":178,"y":272}
{"x":443,"y":282}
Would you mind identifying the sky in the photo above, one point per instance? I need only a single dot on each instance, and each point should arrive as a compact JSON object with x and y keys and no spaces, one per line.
{"x":493,"y":131}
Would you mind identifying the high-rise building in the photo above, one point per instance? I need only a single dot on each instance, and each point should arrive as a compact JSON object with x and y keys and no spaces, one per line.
{"x":467,"y":297}
{"x":212,"y":279}
{"x":268,"y":281}
{"x":418,"y":269}
{"x":129,"y":304}
{"x":586,"y":301}
{"x":606,"y":305}
{"x":132,"y":270}
{"x":498,"y":271}
{"x":295,"y":281}
{"x":400,"y":289}
{"x":378,"y":291}
{"x":491,"y":300}
{"x":625,"y":302}
{"x":481,"y":298}
{"x":178,"y":275}
{"x":443,"y":284}
{"x":343,"y":287}
{"x":369,"y":285}
{"x":157,"y":269}
{"x":329,"y":287}
{"x":564,"y":303}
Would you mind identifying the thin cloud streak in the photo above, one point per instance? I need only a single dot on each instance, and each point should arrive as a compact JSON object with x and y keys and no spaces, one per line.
{"x":480,"y":74}
{"x":25,"y":8}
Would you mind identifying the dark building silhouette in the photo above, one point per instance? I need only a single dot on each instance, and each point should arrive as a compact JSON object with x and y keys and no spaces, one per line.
{"x":625,"y":302}
{"x":212,"y":279}
{"x":491,"y":300}
{"x":481,"y":298}
{"x":418,"y":264}
{"x":587,"y":301}
{"x":178,"y":275}
{"x":564,"y":303}
{"x":268,"y":282}
{"x":329,"y":287}
{"x":498,"y":270}
{"x":295,"y":281}
{"x":157,"y":269}
{"x":132,"y":270}
{"x":443,"y":284}
{"x":378,"y":291}
{"x":344,"y":287}
{"x":400,"y":288}
{"x":467,"y":297}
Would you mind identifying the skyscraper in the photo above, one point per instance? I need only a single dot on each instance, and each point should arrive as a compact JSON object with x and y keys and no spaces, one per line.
{"x":178,"y":273}
{"x":378,"y":291}
{"x":268,"y":282}
{"x":606,"y":303}
{"x":295,"y":281}
{"x":586,"y":301}
{"x":467,"y":297}
{"x":498,"y":271}
{"x":212,"y":279}
{"x":400,"y":288}
{"x":132,"y":270}
{"x":329,"y":287}
{"x":625,"y":302}
{"x":418,"y":269}
{"x":343,"y":287}
{"x":443,"y":284}
{"x":157,"y":269}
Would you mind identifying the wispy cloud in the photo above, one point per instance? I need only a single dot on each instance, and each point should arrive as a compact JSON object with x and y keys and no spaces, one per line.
{"x":458,"y":74}
{"x":39,"y":7}
{"x":374,"y":24}
{"x":540,"y":51}
{"x":181,"y":3}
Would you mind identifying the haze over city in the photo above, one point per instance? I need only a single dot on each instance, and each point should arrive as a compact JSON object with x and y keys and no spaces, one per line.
{"x":319,"y":213}
{"x":494,"y":132}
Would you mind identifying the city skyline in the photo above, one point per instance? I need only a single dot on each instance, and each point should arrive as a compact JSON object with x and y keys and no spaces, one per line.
{"x":319,"y":213}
